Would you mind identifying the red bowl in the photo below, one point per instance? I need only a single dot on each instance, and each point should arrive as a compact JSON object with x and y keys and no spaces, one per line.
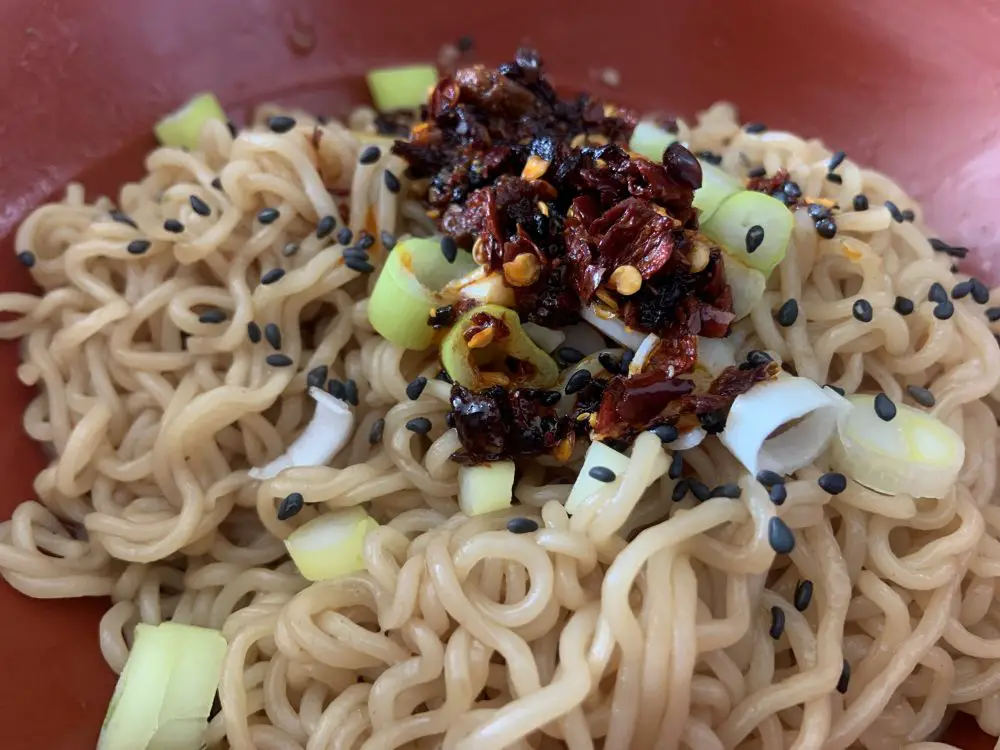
{"x":912,"y":89}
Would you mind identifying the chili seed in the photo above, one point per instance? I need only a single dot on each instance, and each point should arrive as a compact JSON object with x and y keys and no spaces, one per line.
{"x":980,"y":292}
{"x":730,"y":490}
{"x":415,"y":387}
{"x":860,"y":202}
{"x":345,"y":235}
{"x":272,"y":334}
{"x":325,"y":227}
{"x":944,"y":310}
{"x":803,"y":595}
{"x":369,"y":155}
{"x":921,"y":395}
{"x":449,"y":248}
{"x":788,"y":313}
{"x":388,"y":239}
{"x":359,"y":265}
{"x":173,"y":226}
{"x":961,"y":289}
{"x":777,"y":623}
{"x":667,"y":433}
{"x":609,"y":363}
{"x":779,"y":536}
{"x":336,"y":389}
{"x":700,"y":490}
{"x":522,"y":525}
{"x":281,"y":123}
{"x":419,"y":425}
{"x":602,"y":474}
{"x":569,"y":355}
{"x":26,"y":258}
{"x":754,"y":238}
{"x":676,"y":466}
{"x":845,"y":678}
{"x":123,"y":218}
{"x":903,"y":305}
{"x":993,"y":314}
{"x":769,"y":478}
{"x":375,"y":433}
{"x":680,"y":490}
{"x":835,"y":178}
{"x":215,"y":315}
{"x":351,"y":392}
{"x":317,"y":376}
{"x":199,"y":206}
{"x":884,"y":407}
{"x":577,"y":381}
{"x":269,"y":277}
{"x":278,"y":360}
{"x":391,"y":182}
{"x":755,"y":127}
{"x":778,"y":494}
{"x":832,"y":483}
{"x":826,"y":228}
{"x":836,"y":160}
{"x":862,"y":310}
{"x":290,"y":506}
{"x":268,"y":215}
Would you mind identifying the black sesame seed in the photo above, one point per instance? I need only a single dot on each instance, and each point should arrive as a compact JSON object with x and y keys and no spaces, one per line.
{"x":803,"y":595}
{"x":290,"y":506}
{"x":199,"y":206}
{"x":755,"y":127}
{"x":269,"y":277}
{"x":26,"y":258}
{"x":217,"y":183}
{"x":961,"y":289}
{"x":608,"y":361}
{"x":268,"y":215}
{"x":173,"y":226}
{"x":415,"y":387}
{"x":667,"y":433}
{"x":351,"y":392}
{"x":577,"y":381}
{"x":909,"y":215}
{"x":860,"y":202}
{"x":754,"y":238}
{"x":835,"y":178}
{"x":943,"y":247}
{"x":836,"y":389}
{"x":233,"y":130}
{"x":272,"y":334}
{"x":862,"y":310}
{"x":903,"y":305}
{"x":365,"y":240}
{"x":522,"y":525}
{"x":214,"y":315}
{"x":336,"y":389}
{"x":832,"y":483}
{"x":449,"y":248}
{"x":388,"y":239}
{"x":944,"y":310}
{"x":123,"y":218}
{"x":730,"y":490}
{"x":549,"y":398}
{"x":700,"y":490}
{"x":317,"y":376}
{"x":993,"y":314}
{"x":602,"y":474}
{"x":358,"y":264}
{"x":845,"y":678}
{"x":921,"y":395}
{"x":280,"y":123}
{"x":345,"y":235}
{"x":777,"y":623}
{"x":391,"y":182}
{"x":419,"y":425}
{"x":818,"y":211}
{"x":937,"y":293}
{"x":375,"y":433}
{"x":826,"y":228}
{"x":676,"y":466}
{"x":792,"y":190}
{"x":779,"y":536}
{"x":788,"y":313}
{"x":278,"y":360}
{"x":325,"y":227}
{"x":836,"y":160}
{"x":253,"y":332}
{"x":627,"y":358}
{"x":444,"y":377}
{"x":290,"y":249}
{"x":884,"y":407}
{"x":769,"y":478}
{"x":711,"y":157}
{"x":756,"y":172}
{"x":356,"y":253}
{"x":369,"y":155}
{"x":569,"y":355}
{"x":894,"y":211}
{"x":778,"y":494}
{"x":713,"y":422}
{"x":680,"y":490}
{"x":980,"y":292}
{"x":757,"y":358}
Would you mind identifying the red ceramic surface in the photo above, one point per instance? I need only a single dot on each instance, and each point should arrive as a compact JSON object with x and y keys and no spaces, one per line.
{"x":913,"y":88}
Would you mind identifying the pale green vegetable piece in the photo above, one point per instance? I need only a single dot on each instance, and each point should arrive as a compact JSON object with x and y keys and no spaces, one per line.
{"x":716,"y":186}
{"x":485,"y":488}
{"x":650,"y":140}
{"x":182,"y":129}
{"x":598,"y":454}
{"x":330,"y":545}
{"x":403,"y":87}
{"x":733,"y":219}
{"x":747,"y":285}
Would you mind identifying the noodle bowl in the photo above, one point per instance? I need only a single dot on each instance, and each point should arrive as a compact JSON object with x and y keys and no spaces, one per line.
{"x":636,"y":622}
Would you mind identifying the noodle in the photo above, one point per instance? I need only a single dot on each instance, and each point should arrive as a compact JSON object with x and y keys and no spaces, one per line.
{"x":460,"y":634}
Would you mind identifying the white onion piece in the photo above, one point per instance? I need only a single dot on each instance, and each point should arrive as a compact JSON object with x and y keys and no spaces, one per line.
{"x":583,"y":338}
{"x":715,"y":355}
{"x":613,"y":328}
{"x":598,"y":454}
{"x":914,"y":453}
{"x":687,"y":440}
{"x":330,"y":545}
{"x":642,"y":353}
{"x":328,"y":431}
{"x":775,"y":405}
{"x":486,"y":487}
{"x":547,"y":339}
{"x":747,"y":285}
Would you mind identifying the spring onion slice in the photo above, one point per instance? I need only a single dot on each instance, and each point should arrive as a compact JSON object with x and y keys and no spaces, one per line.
{"x":747,"y":285}
{"x":592,"y":364}
{"x":328,"y":431}
{"x":165,"y":693}
{"x":782,"y":424}
{"x":330,"y":545}
{"x":403,"y":87}
{"x":598,"y":454}
{"x":915,"y":453}
{"x":485,"y":488}
{"x":729,"y":225}
{"x":650,"y":140}
{"x":406,"y":290}
{"x":182,"y":128}
{"x":547,"y":339}
{"x":613,"y":328}
{"x":716,"y":186}
{"x":474,"y":366}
